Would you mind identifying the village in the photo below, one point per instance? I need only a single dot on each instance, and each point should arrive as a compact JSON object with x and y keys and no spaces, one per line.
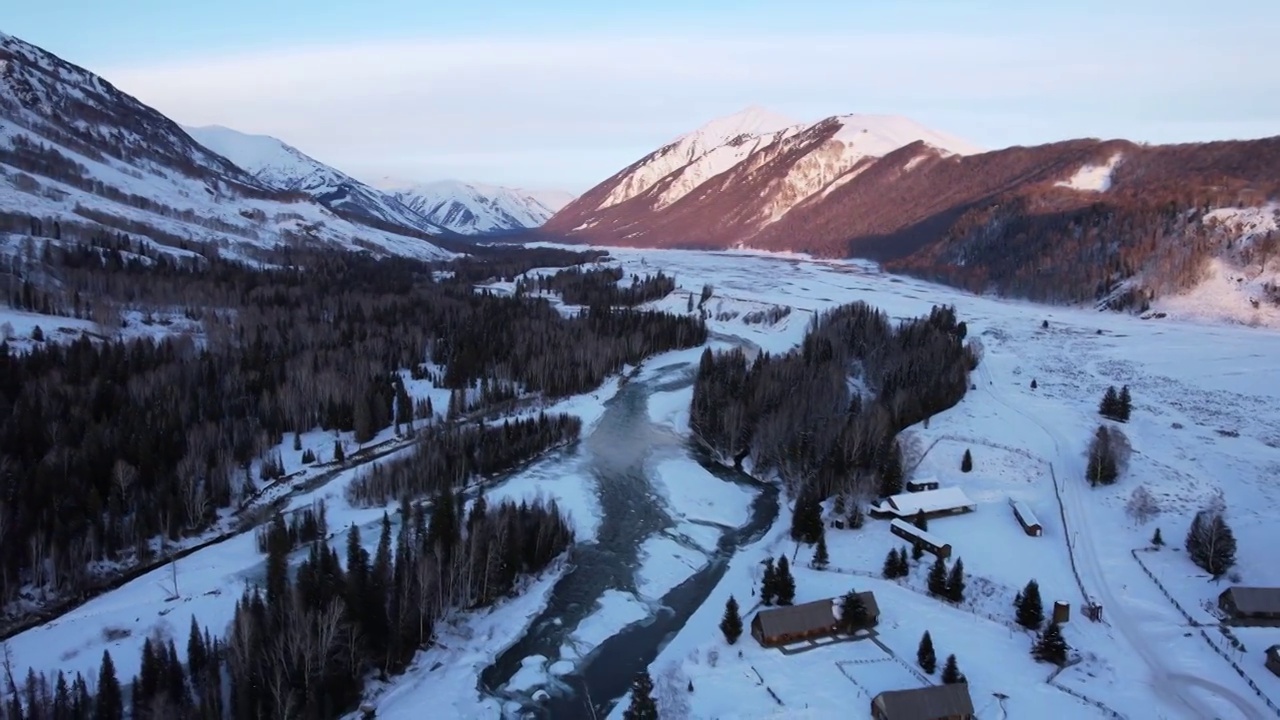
{"x":916,"y":690}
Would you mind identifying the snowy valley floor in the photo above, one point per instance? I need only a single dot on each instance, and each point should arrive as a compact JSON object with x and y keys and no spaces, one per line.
{"x":1206,"y":418}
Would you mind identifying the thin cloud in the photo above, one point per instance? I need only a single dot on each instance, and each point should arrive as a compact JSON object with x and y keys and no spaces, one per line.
{"x":569,"y":111}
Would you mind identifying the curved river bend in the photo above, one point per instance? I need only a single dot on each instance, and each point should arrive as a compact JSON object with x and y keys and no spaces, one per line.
{"x":617,"y":455}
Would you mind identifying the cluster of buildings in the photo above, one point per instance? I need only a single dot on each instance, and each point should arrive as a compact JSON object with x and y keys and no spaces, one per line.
{"x":1254,"y":607}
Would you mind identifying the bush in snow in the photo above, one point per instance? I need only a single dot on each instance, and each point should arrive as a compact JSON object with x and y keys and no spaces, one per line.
{"x":1142,"y":505}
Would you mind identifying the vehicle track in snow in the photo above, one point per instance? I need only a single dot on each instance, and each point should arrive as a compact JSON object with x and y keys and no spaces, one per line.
{"x":1167,"y":683}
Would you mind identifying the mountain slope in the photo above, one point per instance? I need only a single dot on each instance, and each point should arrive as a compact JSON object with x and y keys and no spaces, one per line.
{"x":713,"y":195}
{"x":1075,"y":221}
{"x":472,"y":208}
{"x":78,"y":157}
{"x":281,"y":166}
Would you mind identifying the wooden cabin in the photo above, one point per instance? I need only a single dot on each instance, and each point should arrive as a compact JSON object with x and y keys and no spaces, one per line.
{"x":1027,"y":519}
{"x":793,"y":623}
{"x":1251,"y":605}
{"x":1273,"y":659}
{"x":916,"y":536}
{"x":807,"y":621}
{"x":922,"y":485}
{"x":936,"y":702}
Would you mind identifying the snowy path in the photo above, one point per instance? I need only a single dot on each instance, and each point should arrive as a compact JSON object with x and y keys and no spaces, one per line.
{"x":1168,"y":684}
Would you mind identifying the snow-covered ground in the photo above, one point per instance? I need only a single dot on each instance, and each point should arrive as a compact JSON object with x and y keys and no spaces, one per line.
{"x":1205,"y":419}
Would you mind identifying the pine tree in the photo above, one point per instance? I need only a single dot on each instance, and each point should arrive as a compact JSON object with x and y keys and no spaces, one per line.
{"x":806,"y":522}
{"x":853,"y":612}
{"x":955,"y":582}
{"x":1157,"y":540}
{"x":820,"y":557}
{"x":1030,"y":613}
{"x":966,"y":463}
{"x":109,"y":704}
{"x":856,"y":517}
{"x":197,"y":652}
{"x":1124,"y":404}
{"x":1110,"y":405}
{"x":937,"y":582}
{"x":297,"y":442}
{"x":920,"y":521}
{"x":769,"y":584}
{"x":338,"y":454}
{"x":889,"y":463}
{"x":890,"y":570}
{"x":642,"y":705}
{"x":904,"y":567}
{"x":917,"y":551}
{"x":786,"y":583}
{"x":925,"y":656}
{"x":731,"y":623}
{"x":951,"y":674}
{"x":1033,"y":384}
{"x":1051,"y":647}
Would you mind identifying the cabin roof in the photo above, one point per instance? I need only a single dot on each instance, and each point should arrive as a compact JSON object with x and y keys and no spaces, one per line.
{"x":927,"y":501}
{"x":1254,"y":600}
{"x":929,"y":538}
{"x":1024,"y":512}
{"x":794,"y":619}
{"x":927,"y":703}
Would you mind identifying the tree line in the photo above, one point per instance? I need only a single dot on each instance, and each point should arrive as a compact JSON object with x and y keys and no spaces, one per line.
{"x":302,"y":647}
{"x":795,"y":414}
{"x":599,"y":286}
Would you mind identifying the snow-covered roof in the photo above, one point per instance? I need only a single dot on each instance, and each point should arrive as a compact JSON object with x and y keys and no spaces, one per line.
{"x":927,"y":501}
{"x":1255,"y":600}
{"x":1024,"y":512}
{"x":937,"y":701}
{"x":797,"y":619}
{"x":929,"y":538}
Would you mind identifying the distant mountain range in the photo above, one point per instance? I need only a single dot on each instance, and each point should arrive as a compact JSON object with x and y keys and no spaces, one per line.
{"x":442,"y":206}
{"x":1111,"y":222}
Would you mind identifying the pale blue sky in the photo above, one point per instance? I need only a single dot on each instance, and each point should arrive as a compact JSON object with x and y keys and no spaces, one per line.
{"x":563,"y":94}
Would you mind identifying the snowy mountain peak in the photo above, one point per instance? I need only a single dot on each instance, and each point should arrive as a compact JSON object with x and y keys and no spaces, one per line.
{"x":751,"y":121}
{"x":878,"y":135}
{"x":474,"y":208}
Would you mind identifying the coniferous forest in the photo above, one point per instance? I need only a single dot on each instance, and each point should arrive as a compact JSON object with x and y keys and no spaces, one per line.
{"x":107,"y":446}
{"x":795,"y":413}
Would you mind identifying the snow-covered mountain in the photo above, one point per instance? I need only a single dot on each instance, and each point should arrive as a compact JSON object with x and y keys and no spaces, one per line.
{"x":279,"y":165}
{"x":766,"y":162}
{"x":79,"y":155}
{"x":472,"y":208}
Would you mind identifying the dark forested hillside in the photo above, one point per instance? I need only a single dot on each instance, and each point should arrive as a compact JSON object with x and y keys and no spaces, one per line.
{"x":106,"y":445}
{"x":599,"y":286}
{"x":796,"y":415}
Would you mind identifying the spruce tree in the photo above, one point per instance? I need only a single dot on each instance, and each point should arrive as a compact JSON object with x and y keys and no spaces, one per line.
{"x":1156,"y":539}
{"x":920,"y":521}
{"x":966,"y":463}
{"x":1033,"y":384}
{"x":1124,"y":404}
{"x":1051,"y":647}
{"x":853,"y":612}
{"x":937,"y":582}
{"x":889,"y":463}
{"x":917,"y":551}
{"x":925,"y":656}
{"x":769,"y":584}
{"x":109,"y":704}
{"x":338,"y":454}
{"x":904,"y":568}
{"x":786,"y":583}
{"x":890,"y":570}
{"x":642,"y":705}
{"x":1030,"y":612}
{"x":955,"y":582}
{"x":820,"y":557}
{"x":731,"y":623}
{"x":951,"y":672}
{"x":806,"y":522}
{"x":856,"y":517}
{"x":1110,"y":405}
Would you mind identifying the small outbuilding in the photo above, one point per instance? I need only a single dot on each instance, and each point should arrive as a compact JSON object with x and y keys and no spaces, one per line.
{"x":936,"y":702}
{"x":922,"y":485}
{"x":1273,"y":659}
{"x":916,"y":536}
{"x":930,"y":503}
{"x":1251,"y":605}
{"x":1027,"y":519}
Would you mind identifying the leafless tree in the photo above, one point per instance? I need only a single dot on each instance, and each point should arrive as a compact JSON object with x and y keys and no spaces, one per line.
{"x":1142,"y":506}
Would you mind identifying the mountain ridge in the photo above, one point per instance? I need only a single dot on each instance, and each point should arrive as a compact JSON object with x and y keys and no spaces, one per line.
{"x":474,"y":208}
